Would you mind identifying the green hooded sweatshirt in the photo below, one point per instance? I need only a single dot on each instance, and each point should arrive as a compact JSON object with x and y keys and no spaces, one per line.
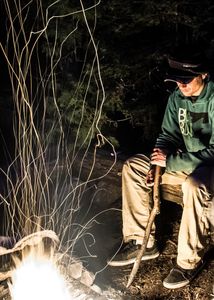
{"x":188,"y":130}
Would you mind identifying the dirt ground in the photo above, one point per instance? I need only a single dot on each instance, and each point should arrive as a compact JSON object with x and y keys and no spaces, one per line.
{"x":103,"y":237}
{"x":148,"y":281}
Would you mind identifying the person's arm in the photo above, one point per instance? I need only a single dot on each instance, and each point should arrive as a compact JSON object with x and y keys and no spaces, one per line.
{"x":166,"y":143}
{"x":172,"y":140}
{"x":188,"y":161}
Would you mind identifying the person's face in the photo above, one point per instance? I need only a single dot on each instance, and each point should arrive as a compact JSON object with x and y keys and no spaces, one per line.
{"x":194,"y":87}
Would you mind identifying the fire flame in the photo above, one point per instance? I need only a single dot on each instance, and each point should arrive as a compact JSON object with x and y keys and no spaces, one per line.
{"x":38,"y":278}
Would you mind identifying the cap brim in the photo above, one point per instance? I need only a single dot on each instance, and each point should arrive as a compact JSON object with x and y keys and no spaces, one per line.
{"x":180,"y":76}
{"x":180,"y":79}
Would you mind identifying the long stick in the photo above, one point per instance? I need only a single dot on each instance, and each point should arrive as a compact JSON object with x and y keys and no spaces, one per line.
{"x":154,"y":212}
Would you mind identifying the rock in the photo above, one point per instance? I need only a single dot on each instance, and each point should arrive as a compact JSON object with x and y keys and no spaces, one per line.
{"x":87,"y":278}
{"x":75,"y":270}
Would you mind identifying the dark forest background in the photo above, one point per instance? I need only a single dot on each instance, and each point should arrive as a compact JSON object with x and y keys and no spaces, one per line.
{"x":52,"y":88}
{"x":132,"y":38}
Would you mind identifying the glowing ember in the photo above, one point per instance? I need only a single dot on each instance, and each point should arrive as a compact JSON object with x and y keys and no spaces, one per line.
{"x":37,"y":278}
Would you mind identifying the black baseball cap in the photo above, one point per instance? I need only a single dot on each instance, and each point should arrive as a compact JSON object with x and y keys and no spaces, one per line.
{"x":185,"y":63}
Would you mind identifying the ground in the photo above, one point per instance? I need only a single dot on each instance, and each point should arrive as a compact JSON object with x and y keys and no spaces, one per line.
{"x":147,"y":283}
{"x":103,"y":237}
{"x":107,"y":234}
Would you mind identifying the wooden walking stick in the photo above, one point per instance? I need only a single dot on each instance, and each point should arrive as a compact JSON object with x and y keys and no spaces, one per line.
{"x":154,"y":212}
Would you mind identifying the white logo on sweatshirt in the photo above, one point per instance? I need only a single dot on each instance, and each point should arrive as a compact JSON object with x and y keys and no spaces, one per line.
{"x":184,"y":122}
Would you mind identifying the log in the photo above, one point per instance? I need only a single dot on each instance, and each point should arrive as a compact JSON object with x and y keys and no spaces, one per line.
{"x":171,"y":193}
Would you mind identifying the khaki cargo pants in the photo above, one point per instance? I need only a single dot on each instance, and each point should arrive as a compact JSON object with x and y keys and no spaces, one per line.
{"x":198,"y":207}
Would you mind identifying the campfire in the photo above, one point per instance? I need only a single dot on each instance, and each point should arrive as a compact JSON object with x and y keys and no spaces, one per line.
{"x":37,"y":277}
{"x":35,"y":274}
{"x":40,"y":270}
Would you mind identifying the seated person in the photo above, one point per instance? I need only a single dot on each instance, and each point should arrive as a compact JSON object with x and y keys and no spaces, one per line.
{"x":185,"y":149}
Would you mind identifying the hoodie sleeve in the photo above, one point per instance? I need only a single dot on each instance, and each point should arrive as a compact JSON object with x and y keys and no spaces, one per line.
{"x":170,"y":138}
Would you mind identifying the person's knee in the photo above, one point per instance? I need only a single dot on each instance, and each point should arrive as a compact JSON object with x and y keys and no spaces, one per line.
{"x":192,"y":189}
{"x":129,"y":168}
{"x":130,"y":164}
{"x":127,"y":165}
{"x":137,"y":165}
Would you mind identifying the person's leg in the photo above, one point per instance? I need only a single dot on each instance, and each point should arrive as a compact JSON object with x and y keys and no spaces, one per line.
{"x":194,"y":228}
{"x":136,"y":198}
{"x":137,"y":205}
{"x":135,"y":212}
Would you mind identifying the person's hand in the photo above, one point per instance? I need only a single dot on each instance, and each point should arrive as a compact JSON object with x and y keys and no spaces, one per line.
{"x":158,"y":157}
{"x":150,"y":176}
